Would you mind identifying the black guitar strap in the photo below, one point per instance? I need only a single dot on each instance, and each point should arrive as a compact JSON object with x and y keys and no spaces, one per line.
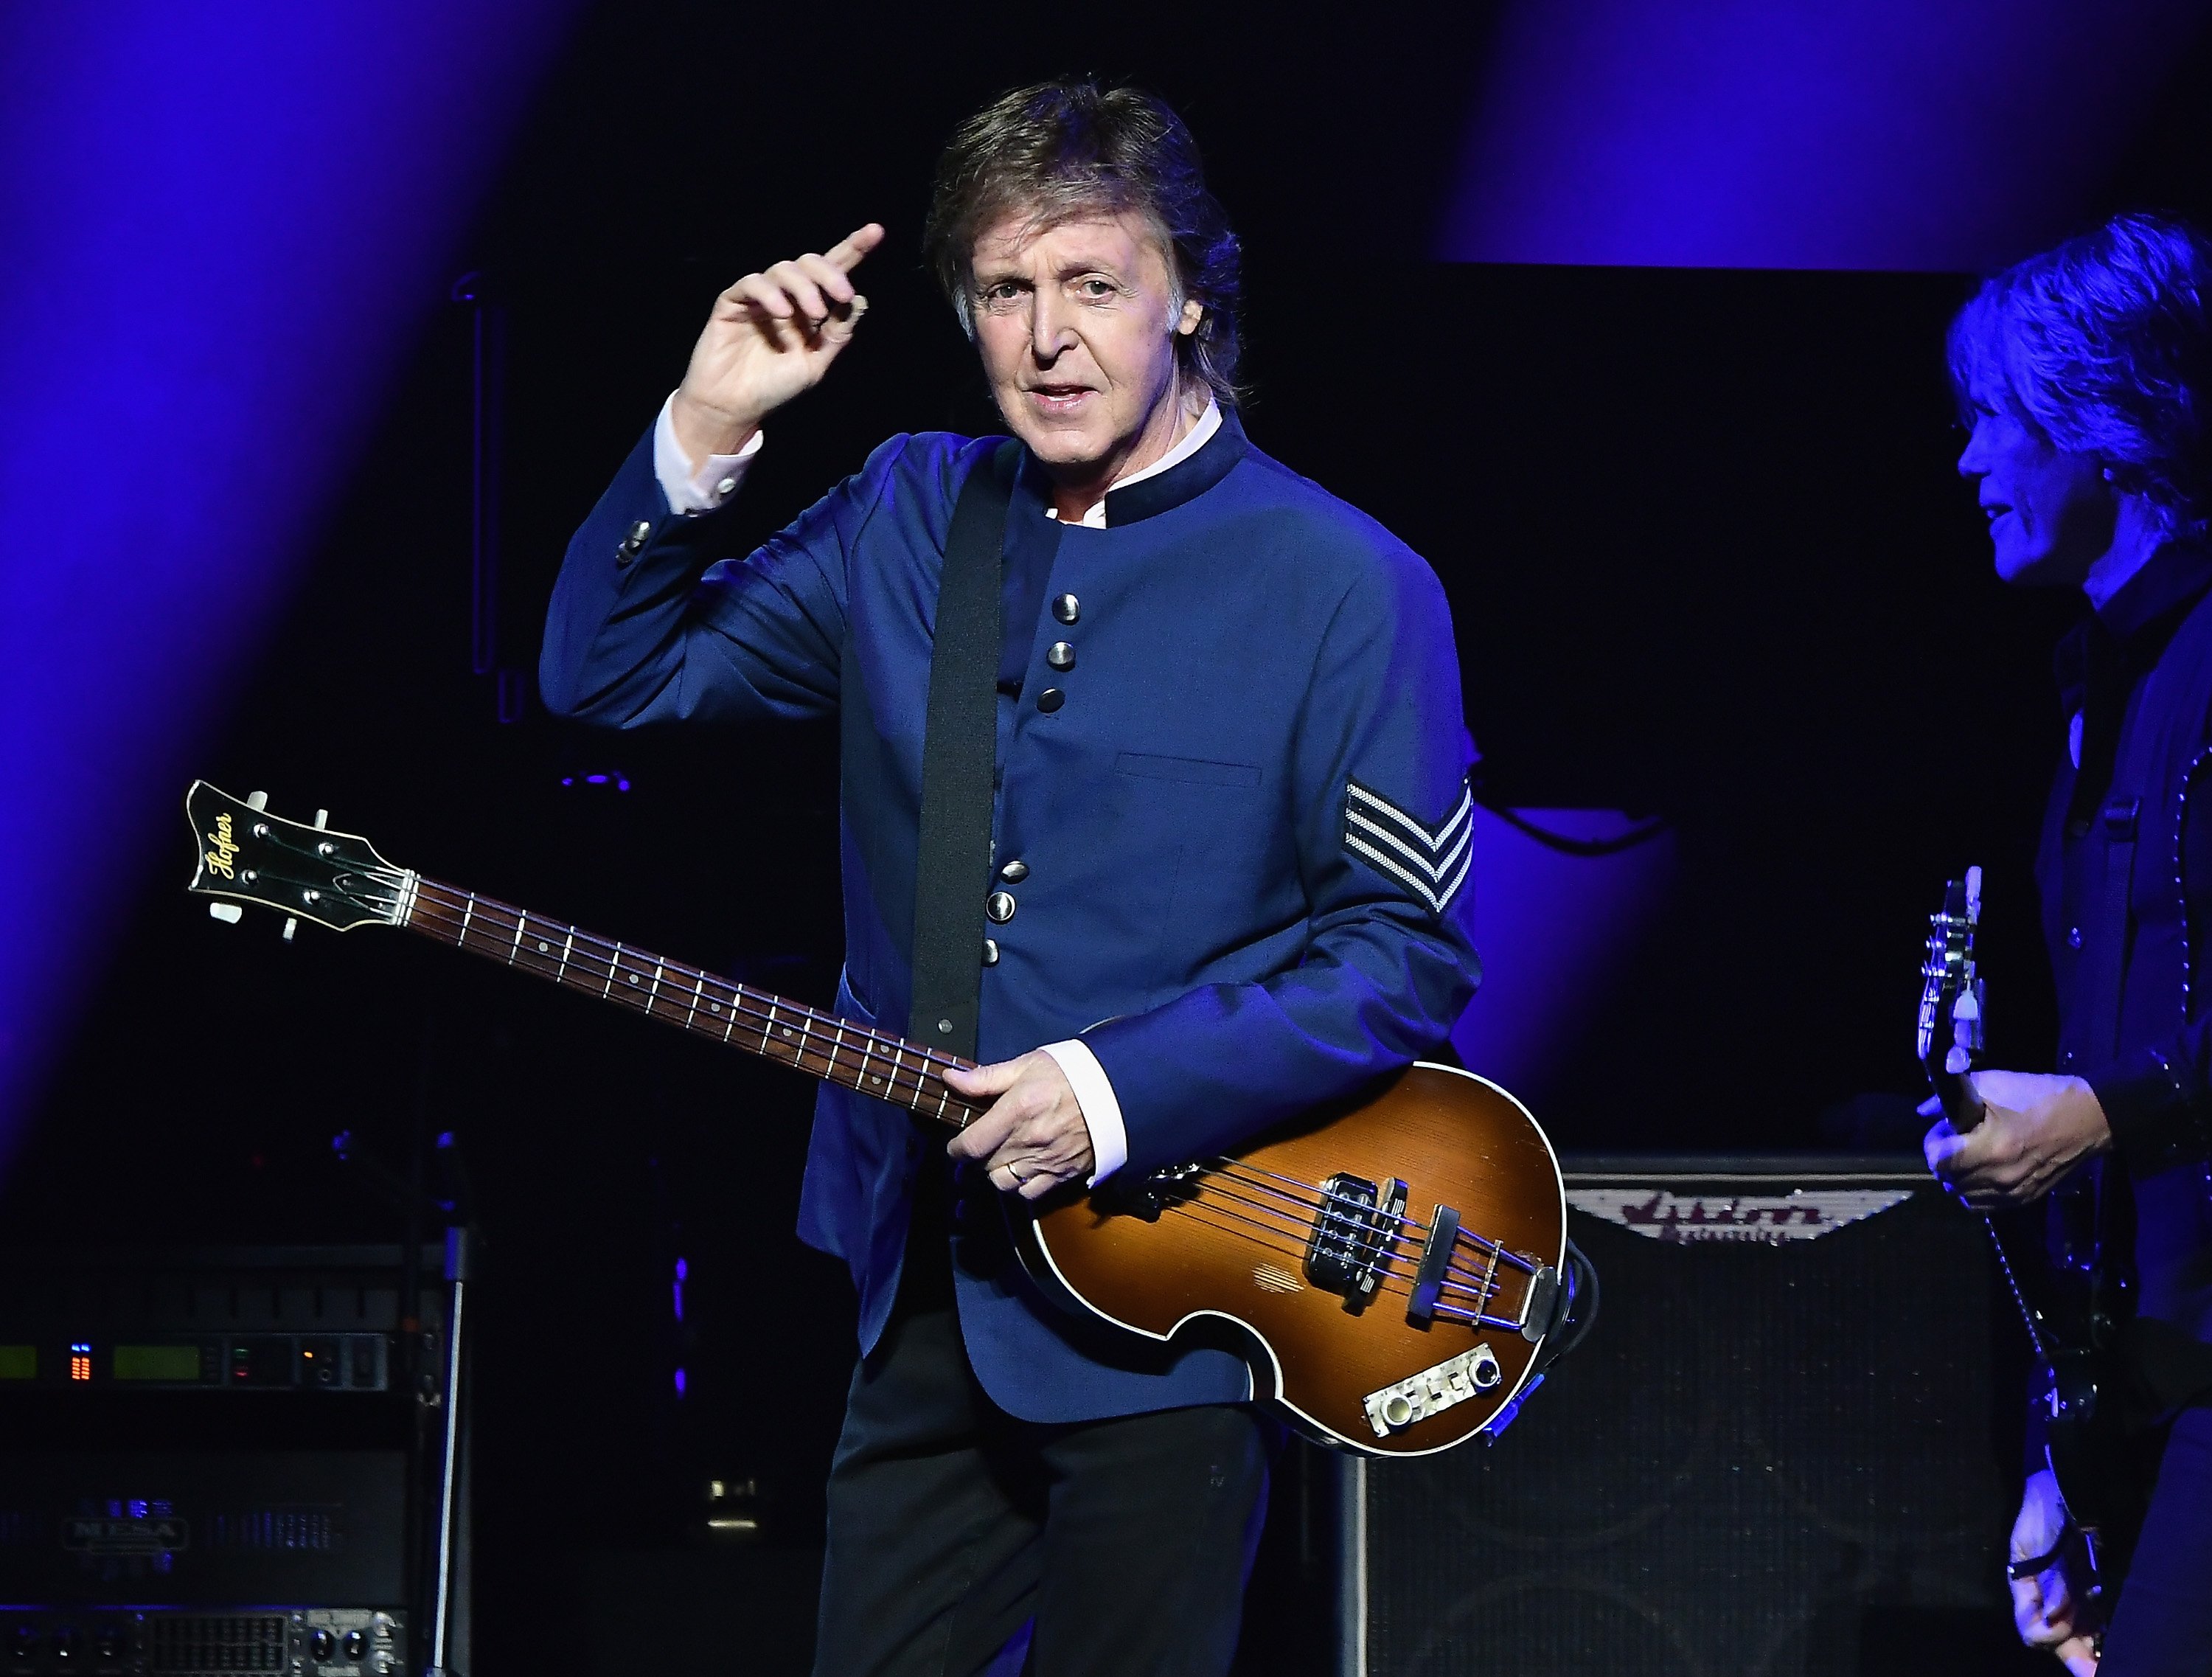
{"x":959,"y":754}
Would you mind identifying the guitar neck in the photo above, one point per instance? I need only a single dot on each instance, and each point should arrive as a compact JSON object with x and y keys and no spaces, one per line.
{"x":819,"y":1043}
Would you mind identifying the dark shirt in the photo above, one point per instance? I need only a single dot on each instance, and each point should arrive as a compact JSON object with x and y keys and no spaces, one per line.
{"x":2126,"y":879}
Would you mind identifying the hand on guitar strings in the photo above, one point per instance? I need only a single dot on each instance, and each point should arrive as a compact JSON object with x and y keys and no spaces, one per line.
{"x":1033,"y":1139}
{"x":2033,"y":1130}
{"x":770,"y":336}
{"x":2044,"y":1609}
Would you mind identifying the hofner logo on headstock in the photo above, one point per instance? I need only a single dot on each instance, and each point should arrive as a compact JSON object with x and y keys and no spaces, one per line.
{"x":1759,"y":1219}
{"x":225,"y":853}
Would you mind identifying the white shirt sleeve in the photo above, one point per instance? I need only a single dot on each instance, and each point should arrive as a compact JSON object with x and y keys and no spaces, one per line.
{"x":700,"y":489}
{"x":1102,"y":1112}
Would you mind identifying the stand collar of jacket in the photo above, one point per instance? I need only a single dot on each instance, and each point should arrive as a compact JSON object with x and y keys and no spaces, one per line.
{"x":1185,"y":481}
{"x":2174,"y":574}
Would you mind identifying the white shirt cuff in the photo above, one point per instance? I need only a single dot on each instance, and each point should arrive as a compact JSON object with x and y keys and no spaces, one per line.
{"x":698,"y":488}
{"x":1102,"y":1112}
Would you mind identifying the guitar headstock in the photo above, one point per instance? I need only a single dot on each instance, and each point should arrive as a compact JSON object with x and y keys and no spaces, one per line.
{"x":248,"y":855}
{"x":1949,"y":1037}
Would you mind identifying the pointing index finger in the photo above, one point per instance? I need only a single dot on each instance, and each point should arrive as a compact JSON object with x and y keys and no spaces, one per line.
{"x":845,"y":255}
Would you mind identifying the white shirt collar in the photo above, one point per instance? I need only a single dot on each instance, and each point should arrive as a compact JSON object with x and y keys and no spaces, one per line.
{"x":1193,"y":440}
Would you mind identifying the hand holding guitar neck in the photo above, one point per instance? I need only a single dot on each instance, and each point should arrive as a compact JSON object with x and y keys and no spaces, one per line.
{"x":2005,"y":1138}
{"x":771,"y":337}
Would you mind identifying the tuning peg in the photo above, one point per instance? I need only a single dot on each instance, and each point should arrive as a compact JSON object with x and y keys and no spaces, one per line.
{"x":292,"y":921}
{"x":256,"y":800}
{"x":228,"y":913}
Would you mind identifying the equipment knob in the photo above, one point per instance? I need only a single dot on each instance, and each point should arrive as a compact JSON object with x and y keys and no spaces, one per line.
{"x":321,"y":1645}
{"x":356,"y":1644}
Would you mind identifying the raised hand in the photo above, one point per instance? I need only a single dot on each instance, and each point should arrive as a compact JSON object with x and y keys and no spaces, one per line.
{"x":771,"y":337}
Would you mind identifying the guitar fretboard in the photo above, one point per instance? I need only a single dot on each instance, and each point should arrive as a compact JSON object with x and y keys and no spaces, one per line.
{"x":819,"y":1043}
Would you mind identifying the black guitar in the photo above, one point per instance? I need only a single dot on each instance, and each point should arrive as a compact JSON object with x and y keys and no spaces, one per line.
{"x":2072,"y":1327}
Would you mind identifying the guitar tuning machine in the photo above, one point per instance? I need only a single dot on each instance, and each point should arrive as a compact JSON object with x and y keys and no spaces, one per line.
{"x":322,"y":818}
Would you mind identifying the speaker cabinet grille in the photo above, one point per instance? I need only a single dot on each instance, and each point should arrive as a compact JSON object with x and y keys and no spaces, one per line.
{"x":1785,"y":1449}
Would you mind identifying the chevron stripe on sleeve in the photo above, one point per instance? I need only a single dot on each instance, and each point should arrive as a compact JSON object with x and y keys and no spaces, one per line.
{"x":1431,"y":862}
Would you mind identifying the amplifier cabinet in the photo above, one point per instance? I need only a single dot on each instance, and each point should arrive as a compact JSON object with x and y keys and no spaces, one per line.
{"x":1788,"y":1447}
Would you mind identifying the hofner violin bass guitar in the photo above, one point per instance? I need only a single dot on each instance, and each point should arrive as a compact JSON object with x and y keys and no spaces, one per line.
{"x":2069,"y":1327}
{"x":1390,"y":1265}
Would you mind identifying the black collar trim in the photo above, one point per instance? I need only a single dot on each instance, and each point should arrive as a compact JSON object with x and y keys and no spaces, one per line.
{"x":1186,"y":480}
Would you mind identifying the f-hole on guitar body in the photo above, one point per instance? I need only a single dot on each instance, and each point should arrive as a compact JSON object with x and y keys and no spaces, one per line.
{"x":1390,"y":1265}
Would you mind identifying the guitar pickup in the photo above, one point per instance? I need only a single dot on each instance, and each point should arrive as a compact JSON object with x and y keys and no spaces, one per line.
{"x":1354,"y":1231}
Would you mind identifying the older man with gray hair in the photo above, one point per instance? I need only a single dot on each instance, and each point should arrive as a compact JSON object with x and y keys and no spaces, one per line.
{"x":1156,"y":925}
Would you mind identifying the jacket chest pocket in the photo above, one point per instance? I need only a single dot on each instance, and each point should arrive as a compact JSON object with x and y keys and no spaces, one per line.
{"x":1187,"y":771}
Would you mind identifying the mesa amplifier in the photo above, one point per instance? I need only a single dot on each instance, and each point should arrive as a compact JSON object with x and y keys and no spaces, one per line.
{"x":1790,"y":1446}
{"x":222,"y":1461}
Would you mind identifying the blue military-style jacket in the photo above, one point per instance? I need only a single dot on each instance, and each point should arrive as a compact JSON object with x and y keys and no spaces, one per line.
{"x":1242,"y":812}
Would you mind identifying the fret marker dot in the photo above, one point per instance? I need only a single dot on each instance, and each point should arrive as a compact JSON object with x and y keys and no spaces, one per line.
{"x":713,"y":1008}
{"x":786,"y":1030}
{"x":542,"y":946}
{"x":632,"y":978}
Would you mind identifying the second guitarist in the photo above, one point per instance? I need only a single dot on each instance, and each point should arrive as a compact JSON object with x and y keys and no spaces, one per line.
{"x":2086,"y":374}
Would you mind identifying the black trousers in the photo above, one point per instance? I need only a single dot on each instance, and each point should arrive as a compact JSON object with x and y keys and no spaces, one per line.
{"x":2162,"y":1624}
{"x":952,"y":1524}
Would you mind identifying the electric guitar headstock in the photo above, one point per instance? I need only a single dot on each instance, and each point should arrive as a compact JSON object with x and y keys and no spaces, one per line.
{"x":1949,"y":1040}
{"x":303,"y":871}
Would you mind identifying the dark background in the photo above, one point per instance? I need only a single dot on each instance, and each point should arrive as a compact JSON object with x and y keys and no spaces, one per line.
{"x":1707,"y":557}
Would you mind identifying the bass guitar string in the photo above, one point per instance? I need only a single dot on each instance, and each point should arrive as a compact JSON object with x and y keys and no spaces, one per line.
{"x":1306,"y":1206}
{"x":1482,"y":1244}
{"x":598,"y":959}
{"x":804,"y":1031}
{"x":598,"y":948}
{"x":1273,"y":1242}
{"x":1480,"y":1294}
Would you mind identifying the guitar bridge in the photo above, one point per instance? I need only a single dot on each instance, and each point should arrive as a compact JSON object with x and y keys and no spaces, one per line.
{"x":1352,"y":1237}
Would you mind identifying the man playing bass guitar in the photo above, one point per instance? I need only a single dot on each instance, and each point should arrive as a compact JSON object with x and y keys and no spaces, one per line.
{"x":1225,"y":779}
{"x":2085,"y":375}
